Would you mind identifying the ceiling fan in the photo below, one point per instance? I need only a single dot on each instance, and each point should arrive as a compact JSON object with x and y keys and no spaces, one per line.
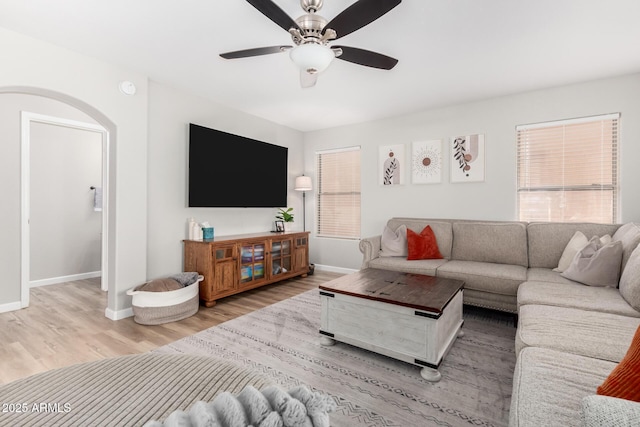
{"x":311,"y":34}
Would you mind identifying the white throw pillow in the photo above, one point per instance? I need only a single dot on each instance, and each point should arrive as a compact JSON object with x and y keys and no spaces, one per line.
{"x":596,"y":264}
{"x":577,"y":242}
{"x":394,"y":243}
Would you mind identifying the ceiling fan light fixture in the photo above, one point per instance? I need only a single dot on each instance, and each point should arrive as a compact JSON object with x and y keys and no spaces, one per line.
{"x":312,"y":57}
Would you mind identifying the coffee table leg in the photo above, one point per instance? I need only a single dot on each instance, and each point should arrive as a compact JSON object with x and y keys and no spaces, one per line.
{"x":430,"y":374}
{"x":326,"y":341}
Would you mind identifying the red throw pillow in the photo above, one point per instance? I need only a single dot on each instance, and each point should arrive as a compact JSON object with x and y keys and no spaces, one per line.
{"x":423,"y":245}
{"x":624,"y":380}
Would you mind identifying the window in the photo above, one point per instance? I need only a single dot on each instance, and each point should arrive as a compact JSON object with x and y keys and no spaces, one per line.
{"x":568,"y":170}
{"x":338,"y":194}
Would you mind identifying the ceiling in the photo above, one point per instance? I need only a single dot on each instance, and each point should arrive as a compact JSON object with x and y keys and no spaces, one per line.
{"x":449,"y":51}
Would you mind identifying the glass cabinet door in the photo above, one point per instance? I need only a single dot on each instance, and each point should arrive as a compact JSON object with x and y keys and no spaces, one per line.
{"x":281,"y":257}
{"x":252,"y":262}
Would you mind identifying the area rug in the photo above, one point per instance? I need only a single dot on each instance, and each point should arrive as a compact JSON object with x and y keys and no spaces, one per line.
{"x":282,"y":342}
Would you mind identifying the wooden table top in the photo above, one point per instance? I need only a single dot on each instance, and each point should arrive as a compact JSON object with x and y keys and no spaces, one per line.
{"x":417,"y":291}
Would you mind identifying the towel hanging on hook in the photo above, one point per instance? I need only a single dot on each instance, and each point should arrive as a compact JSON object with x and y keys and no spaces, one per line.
{"x":97,"y":198}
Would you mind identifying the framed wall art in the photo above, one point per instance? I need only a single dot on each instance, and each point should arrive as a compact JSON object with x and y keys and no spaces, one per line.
{"x":467,"y":158}
{"x":391,"y":164}
{"x":426,"y":162}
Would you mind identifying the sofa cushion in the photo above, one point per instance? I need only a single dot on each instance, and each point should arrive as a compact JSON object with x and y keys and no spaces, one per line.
{"x":629,"y":235}
{"x":599,"y":411}
{"x":575,"y":295}
{"x":497,"y":242}
{"x":485,"y":276}
{"x":424,"y":266}
{"x":441,"y":228}
{"x":547,"y":275}
{"x":630,"y":280}
{"x":547,"y":240}
{"x":548,"y":387}
{"x":596,"y":264}
{"x":586,"y":333}
{"x":624,"y":380}
{"x":394,"y":242}
{"x":423,"y":245}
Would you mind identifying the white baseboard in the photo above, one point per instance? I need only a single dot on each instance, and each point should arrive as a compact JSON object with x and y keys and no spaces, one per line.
{"x":11,"y":306}
{"x":335,"y":269}
{"x":63,"y":279}
{"x":118,"y":315}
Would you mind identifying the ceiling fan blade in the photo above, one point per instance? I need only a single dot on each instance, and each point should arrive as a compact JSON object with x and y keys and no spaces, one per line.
{"x":365,"y":57}
{"x":358,"y":15}
{"x":308,"y":79}
{"x":255,"y":52}
{"x":273,"y":12}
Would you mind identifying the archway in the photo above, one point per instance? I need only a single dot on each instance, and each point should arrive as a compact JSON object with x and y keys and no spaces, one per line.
{"x":108,"y":221}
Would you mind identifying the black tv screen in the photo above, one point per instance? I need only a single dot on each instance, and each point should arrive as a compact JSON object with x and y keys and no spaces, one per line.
{"x":227,"y":170}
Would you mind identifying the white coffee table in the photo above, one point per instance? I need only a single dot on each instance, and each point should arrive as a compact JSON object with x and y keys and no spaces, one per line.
{"x":409,"y":317}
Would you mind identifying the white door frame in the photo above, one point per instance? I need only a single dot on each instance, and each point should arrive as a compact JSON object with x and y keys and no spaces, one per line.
{"x":26,"y":119}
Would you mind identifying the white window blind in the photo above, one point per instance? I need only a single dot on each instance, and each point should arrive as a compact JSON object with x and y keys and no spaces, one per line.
{"x":568,"y":170}
{"x":338,"y":193}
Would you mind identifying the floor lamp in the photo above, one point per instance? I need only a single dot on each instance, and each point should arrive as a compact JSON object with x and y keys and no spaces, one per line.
{"x":303,"y":183}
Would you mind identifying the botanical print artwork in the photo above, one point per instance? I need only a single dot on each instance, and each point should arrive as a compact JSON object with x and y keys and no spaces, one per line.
{"x":467,"y":158}
{"x":391,"y":164}
{"x":426,"y":162}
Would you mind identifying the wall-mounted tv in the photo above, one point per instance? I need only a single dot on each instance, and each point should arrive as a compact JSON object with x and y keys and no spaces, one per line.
{"x":227,"y":170}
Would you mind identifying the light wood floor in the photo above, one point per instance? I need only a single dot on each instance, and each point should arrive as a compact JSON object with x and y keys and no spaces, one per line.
{"x":65,"y":324}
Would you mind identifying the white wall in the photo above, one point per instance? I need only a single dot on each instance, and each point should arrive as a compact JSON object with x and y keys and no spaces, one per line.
{"x":170,"y":112}
{"x":64,"y":228}
{"x":32,"y":66}
{"x":494,"y":199}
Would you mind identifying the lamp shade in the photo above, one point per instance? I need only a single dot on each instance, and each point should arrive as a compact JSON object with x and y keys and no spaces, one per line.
{"x":303,"y":183}
{"x":311,"y":57}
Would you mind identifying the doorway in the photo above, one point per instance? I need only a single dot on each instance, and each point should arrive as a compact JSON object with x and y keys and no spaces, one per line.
{"x":33,"y":125}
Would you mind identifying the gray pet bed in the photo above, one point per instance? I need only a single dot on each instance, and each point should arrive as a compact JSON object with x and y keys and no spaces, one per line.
{"x":122,"y":391}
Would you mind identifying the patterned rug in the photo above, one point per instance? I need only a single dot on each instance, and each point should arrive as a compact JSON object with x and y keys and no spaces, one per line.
{"x":282,"y":342}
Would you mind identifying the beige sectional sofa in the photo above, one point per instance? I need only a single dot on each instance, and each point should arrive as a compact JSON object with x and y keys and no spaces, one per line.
{"x":570,"y":336}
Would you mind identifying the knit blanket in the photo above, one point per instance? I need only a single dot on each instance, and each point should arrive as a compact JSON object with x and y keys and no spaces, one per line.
{"x":271,"y":407}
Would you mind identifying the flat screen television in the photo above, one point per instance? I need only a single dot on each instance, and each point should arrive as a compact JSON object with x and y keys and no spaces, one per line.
{"x":227,"y":170}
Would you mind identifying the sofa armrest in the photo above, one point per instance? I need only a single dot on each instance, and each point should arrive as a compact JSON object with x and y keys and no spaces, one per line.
{"x":610,"y":411}
{"x":370,"y":248}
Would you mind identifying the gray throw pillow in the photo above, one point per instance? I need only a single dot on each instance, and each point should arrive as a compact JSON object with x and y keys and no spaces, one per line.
{"x":394,"y":243}
{"x":596,"y":264}
{"x":577,"y":242}
{"x":598,"y":411}
{"x":629,"y":235}
{"x":630,"y":280}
